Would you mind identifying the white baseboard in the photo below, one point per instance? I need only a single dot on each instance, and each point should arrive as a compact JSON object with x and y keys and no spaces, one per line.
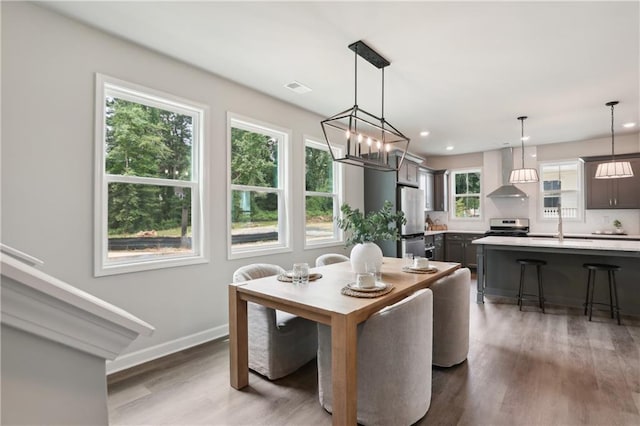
{"x":154,"y":352}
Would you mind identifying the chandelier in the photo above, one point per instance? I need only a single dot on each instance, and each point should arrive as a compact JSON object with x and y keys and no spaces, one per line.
{"x":613,"y":169}
{"x":523,"y":175}
{"x":359,"y":138}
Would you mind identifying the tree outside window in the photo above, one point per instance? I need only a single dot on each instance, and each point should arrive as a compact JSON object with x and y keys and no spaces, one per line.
{"x":257,"y":187}
{"x":323,"y":194}
{"x":150,"y":192}
{"x":466,"y":193}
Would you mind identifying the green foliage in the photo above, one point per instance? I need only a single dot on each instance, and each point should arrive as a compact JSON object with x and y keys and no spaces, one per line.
{"x":147,"y":142}
{"x":319,"y":170}
{"x":374,"y":226}
{"x":617,"y":223}
{"x":254,"y":159}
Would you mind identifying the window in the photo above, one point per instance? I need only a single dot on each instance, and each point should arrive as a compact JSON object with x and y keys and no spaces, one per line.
{"x":466,"y":194}
{"x":560,"y":187}
{"x":258,"y":188}
{"x":149,"y":198}
{"x":323,"y":195}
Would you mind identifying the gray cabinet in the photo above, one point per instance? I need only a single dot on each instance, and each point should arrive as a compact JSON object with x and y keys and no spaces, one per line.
{"x":408,"y":173}
{"x":434,"y":184}
{"x":459,"y":248}
{"x":440,"y":182}
{"x":426,"y":185}
{"x":438,"y":243}
{"x":612,"y":193}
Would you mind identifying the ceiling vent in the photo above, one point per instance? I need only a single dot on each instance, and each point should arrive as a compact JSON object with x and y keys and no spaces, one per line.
{"x":297,"y":87}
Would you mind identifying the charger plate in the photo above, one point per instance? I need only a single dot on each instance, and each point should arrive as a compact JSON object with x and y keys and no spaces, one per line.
{"x":429,"y":270}
{"x":287,"y":277}
{"x":368,"y":294}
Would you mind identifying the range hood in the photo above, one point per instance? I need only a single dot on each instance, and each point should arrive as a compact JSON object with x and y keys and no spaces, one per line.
{"x":507,"y":190}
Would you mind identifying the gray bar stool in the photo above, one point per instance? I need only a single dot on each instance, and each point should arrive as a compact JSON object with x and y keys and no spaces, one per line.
{"x":521,"y":295}
{"x":591,"y":287}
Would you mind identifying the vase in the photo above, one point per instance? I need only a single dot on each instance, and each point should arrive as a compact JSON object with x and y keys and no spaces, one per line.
{"x":365,"y":254}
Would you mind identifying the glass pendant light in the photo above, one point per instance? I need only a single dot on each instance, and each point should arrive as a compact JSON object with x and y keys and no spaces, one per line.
{"x":613,"y":169}
{"x":523,"y":175}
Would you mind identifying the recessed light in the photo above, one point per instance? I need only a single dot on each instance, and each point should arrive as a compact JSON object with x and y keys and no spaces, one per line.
{"x":424,"y":133}
{"x":525,"y":138}
{"x":628,"y":125}
{"x":297,"y":87}
{"x":534,"y":155}
{"x":449,"y":148}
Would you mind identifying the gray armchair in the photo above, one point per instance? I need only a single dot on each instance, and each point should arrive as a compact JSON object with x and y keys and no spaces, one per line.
{"x":329,"y":258}
{"x":451,"y":318}
{"x":394,"y":363}
{"x":279,"y":342}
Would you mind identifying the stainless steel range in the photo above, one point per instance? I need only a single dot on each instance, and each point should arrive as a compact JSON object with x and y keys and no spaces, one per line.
{"x":508,"y":227}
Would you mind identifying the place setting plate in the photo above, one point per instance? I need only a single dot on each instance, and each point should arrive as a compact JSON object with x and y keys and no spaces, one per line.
{"x":354,"y":290}
{"x":287,"y":277}
{"x":416,"y":270}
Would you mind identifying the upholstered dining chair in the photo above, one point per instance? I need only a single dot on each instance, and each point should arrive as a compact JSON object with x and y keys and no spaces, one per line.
{"x":279,"y":342}
{"x":329,"y":258}
{"x":394,"y":363}
{"x":451,"y":318}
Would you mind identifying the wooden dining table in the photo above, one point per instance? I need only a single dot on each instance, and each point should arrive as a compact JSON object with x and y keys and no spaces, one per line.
{"x":321,"y":301}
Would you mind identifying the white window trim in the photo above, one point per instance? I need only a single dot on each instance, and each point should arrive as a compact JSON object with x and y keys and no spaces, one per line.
{"x":284,"y":172}
{"x":580,"y":190}
{"x":199,"y":202}
{"x":338,"y":194}
{"x":452,"y":194}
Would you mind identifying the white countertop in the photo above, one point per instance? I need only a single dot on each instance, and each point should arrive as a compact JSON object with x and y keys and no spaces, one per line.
{"x":549,"y":234}
{"x":595,"y":244}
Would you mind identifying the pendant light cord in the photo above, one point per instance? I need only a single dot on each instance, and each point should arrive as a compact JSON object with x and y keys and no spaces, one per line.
{"x":355,"y":95}
{"x":522,"y":139}
{"x":613,"y":157}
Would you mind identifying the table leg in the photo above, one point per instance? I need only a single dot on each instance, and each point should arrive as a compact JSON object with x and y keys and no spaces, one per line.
{"x":344,"y":349}
{"x":238,"y":340}
{"x":481,"y":272}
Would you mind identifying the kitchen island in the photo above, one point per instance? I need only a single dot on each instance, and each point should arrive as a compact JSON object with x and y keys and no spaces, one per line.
{"x":563,"y":277}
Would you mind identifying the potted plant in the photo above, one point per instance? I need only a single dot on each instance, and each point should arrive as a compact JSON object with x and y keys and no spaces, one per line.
{"x":618,"y":226}
{"x":364,"y":230}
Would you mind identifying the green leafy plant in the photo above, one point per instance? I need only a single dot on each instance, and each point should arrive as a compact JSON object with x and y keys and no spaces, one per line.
{"x":374,"y":226}
{"x":617,"y":223}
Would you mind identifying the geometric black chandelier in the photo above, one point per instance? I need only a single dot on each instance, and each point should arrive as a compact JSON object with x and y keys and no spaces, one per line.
{"x":613,"y":169}
{"x":359,"y":138}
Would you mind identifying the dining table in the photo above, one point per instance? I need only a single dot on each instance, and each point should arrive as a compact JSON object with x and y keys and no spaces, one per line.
{"x":322,"y":301}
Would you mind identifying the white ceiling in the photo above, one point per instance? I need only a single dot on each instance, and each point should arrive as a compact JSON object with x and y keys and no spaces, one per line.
{"x":463,"y":71}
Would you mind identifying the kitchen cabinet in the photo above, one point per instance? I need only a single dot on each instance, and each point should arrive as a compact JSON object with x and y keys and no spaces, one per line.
{"x":408,"y":173}
{"x":438,"y":251}
{"x":426,"y":185}
{"x":612,"y":193}
{"x":440,"y":183}
{"x":434,"y":184}
{"x":459,"y":248}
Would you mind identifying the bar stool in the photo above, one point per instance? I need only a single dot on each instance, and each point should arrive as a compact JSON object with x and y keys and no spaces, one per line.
{"x":521,"y":295}
{"x":591,"y":287}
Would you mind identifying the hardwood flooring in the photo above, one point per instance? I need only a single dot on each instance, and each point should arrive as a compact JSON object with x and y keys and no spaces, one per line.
{"x":524,"y":368}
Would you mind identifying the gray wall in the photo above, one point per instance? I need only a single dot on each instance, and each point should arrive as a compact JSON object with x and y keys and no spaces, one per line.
{"x":48,"y":69}
{"x":44,"y":382}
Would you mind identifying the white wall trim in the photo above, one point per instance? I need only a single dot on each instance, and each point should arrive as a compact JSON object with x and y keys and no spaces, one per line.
{"x":167,"y":348}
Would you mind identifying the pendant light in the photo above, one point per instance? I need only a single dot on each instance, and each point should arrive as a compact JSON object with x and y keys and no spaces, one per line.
{"x":359,"y":138}
{"x":523,"y":175}
{"x":613,"y":169}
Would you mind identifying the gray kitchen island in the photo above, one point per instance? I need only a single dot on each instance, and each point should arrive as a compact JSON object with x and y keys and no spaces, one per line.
{"x":563,"y":277}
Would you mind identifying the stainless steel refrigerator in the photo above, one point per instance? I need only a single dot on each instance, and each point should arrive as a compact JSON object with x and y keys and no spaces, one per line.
{"x":382,"y":186}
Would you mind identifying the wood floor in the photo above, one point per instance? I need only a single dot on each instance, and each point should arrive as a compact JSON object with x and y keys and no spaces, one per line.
{"x":524,"y":368}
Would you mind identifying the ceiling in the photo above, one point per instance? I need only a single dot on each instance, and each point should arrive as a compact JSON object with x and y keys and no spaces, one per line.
{"x":464,"y":71}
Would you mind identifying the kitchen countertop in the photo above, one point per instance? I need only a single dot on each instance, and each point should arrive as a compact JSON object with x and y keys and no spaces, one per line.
{"x":548,"y":235}
{"x":581,"y":244}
